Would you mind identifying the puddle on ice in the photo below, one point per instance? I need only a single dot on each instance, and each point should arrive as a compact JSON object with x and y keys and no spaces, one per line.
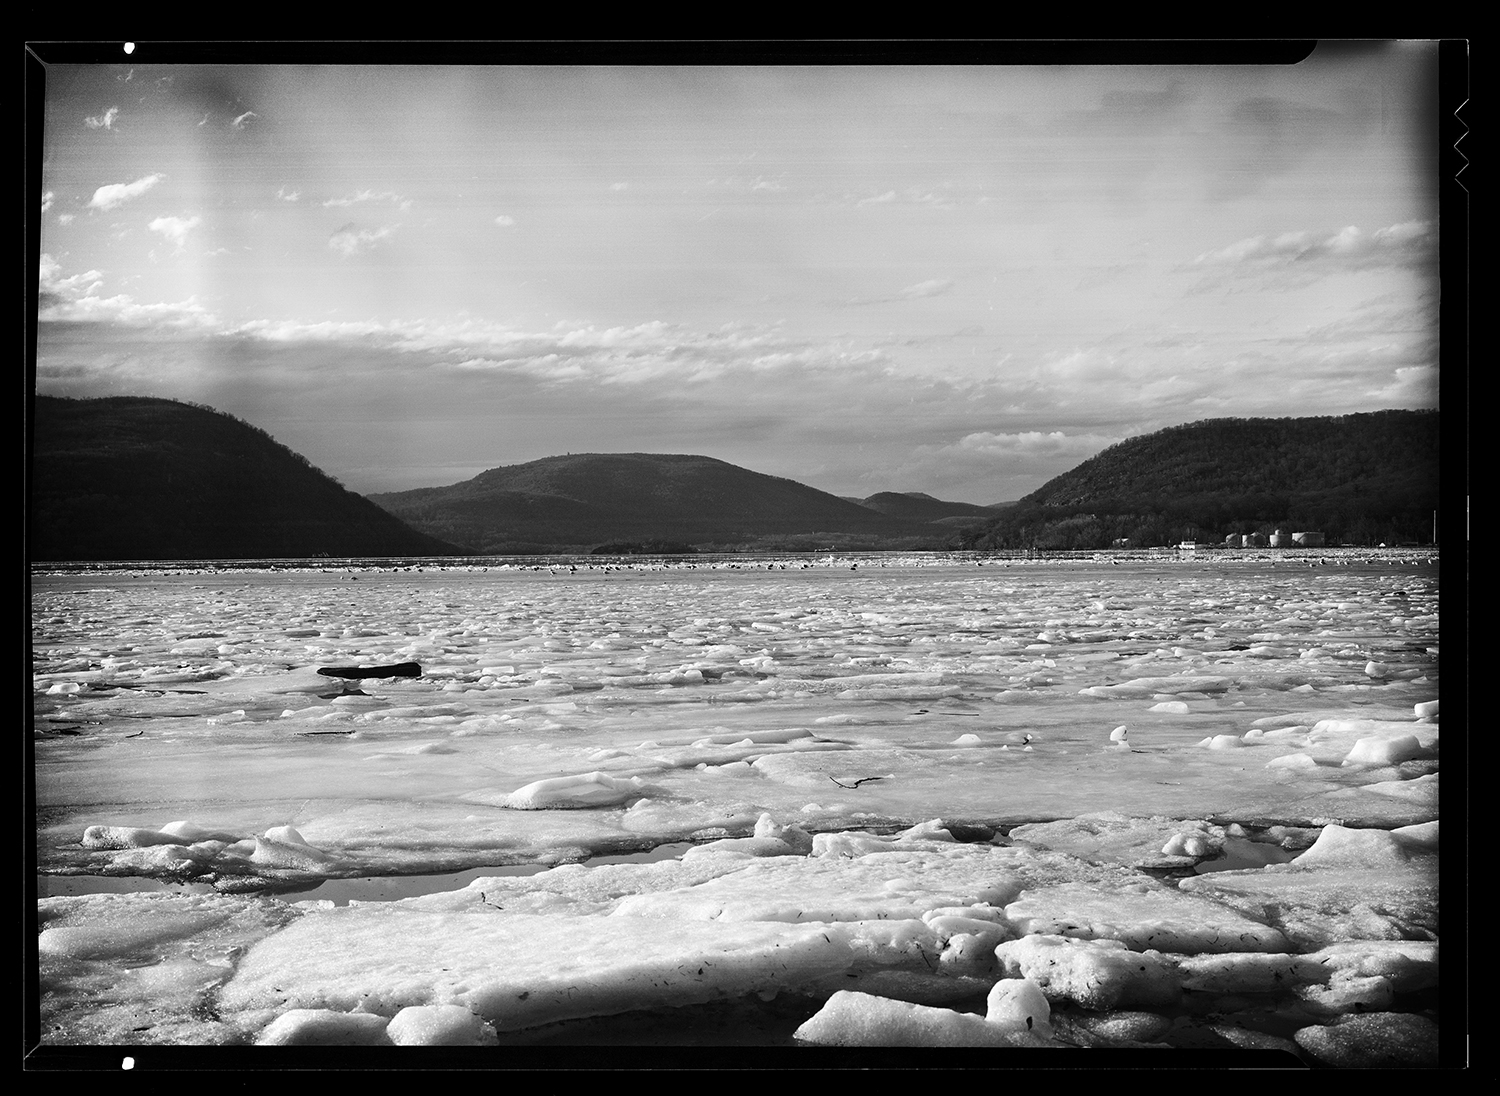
{"x":1241,"y":853}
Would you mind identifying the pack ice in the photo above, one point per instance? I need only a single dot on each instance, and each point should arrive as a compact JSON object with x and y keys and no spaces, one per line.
{"x":927,"y":801}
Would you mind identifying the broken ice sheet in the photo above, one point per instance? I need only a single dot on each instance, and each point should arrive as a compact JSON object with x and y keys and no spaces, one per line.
{"x":843,"y":705}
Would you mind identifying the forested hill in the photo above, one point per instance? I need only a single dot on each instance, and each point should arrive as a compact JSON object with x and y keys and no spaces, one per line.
{"x":586,"y":499}
{"x":140,"y":478}
{"x":918,"y":506}
{"x":1359,"y":479}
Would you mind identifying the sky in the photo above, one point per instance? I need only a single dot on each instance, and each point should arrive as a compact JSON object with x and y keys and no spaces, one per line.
{"x":956,"y":279}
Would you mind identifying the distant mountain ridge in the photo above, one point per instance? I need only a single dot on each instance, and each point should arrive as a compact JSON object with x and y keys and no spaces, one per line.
{"x":919,"y":506}
{"x":589,"y":498}
{"x":134,"y":477}
{"x":1360,"y":479}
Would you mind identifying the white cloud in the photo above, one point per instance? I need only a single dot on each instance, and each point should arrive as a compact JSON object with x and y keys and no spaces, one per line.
{"x":47,"y":201}
{"x":105,"y":120}
{"x":351,"y":239}
{"x":930,"y":288}
{"x":114,"y":194}
{"x":369,"y":196}
{"x":505,"y":222}
{"x":619,"y":186}
{"x":77,"y":298}
{"x":244,"y":119}
{"x":65,"y":218}
{"x":1346,"y":247}
{"x":288,"y":195}
{"x":175,"y":228}
{"x":1030,"y":443}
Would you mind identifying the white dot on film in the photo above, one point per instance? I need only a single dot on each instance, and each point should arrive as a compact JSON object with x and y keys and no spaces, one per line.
{"x":129,"y":48}
{"x":128,"y":1063}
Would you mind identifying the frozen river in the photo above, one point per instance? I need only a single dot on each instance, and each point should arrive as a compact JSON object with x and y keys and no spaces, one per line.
{"x":891,"y":770}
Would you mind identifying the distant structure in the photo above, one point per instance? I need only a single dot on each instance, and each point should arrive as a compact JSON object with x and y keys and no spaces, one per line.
{"x":1279,"y":539}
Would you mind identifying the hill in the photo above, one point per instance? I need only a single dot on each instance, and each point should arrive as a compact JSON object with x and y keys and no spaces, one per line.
{"x":140,"y":478}
{"x":585,"y":499}
{"x":1359,"y":479}
{"x":918,"y":506}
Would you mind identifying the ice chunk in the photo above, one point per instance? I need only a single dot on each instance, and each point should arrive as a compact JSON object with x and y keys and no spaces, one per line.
{"x":850,"y":1018}
{"x":324,"y":1027}
{"x":1019,"y":1003}
{"x":1110,"y":837}
{"x":1352,"y":884}
{"x":193,"y":833}
{"x":1384,"y":751}
{"x":1376,"y":1040}
{"x":283,"y":848}
{"x":1185,"y":844}
{"x":1293,"y":761}
{"x":1342,"y":847}
{"x":1096,"y":974}
{"x":1222,"y":742}
{"x":1170,"y":707}
{"x":1152,"y":917}
{"x":595,"y":789}
{"x":439,"y":1026}
{"x":126,"y":837}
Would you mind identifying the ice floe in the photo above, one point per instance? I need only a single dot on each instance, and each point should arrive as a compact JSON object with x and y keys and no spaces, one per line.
{"x":905,"y":830}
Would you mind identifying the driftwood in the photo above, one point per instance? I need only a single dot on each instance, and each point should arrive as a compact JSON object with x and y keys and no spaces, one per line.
{"x":400,"y":669}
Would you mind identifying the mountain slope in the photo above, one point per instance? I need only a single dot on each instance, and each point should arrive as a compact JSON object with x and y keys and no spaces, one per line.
{"x":140,"y":478}
{"x":1357,"y":478}
{"x":917,"y":506}
{"x":590,"y":498}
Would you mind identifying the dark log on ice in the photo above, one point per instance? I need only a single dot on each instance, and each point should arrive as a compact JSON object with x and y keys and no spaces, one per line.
{"x":400,"y":669}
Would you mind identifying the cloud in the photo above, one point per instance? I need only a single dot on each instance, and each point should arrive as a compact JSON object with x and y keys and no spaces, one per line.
{"x":888,"y":196}
{"x":619,"y":186}
{"x":369,"y":196}
{"x":114,"y":194}
{"x":505,"y":222}
{"x":1349,"y":248}
{"x":1029,"y":445}
{"x":77,"y":299}
{"x":105,"y":120}
{"x":930,"y":288}
{"x":288,"y":195}
{"x":244,"y":119}
{"x":175,"y":228}
{"x":47,"y":200}
{"x":351,"y":239}
{"x":620,"y":355}
{"x":65,"y":218}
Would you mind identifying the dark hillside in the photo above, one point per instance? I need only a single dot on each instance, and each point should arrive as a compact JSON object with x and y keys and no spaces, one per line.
{"x":916,"y":506}
{"x":140,"y":478}
{"x":586,"y":499}
{"x":1359,"y":479}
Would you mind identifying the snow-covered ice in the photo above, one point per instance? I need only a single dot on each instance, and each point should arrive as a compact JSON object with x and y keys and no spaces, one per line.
{"x":914,"y":811}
